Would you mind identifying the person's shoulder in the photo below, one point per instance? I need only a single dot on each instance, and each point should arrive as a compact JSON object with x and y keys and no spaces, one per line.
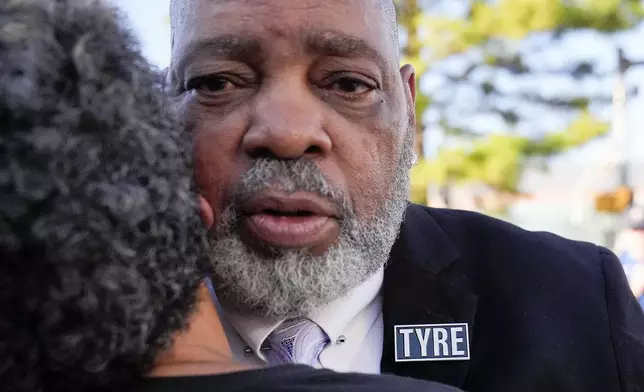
{"x":538,"y":272}
{"x":483,"y":236}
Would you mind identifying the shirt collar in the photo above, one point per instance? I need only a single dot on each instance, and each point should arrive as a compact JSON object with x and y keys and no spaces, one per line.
{"x":333,"y":318}
{"x":252,"y":329}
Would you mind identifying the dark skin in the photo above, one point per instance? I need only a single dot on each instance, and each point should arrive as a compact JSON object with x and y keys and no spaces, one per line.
{"x":202,"y":348}
{"x":291,"y":79}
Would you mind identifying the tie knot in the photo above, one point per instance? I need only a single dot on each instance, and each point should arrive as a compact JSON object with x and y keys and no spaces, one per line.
{"x":297,"y":340}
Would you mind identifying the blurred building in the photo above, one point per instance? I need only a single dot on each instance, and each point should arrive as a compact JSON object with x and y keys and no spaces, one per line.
{"x":561,"y":200}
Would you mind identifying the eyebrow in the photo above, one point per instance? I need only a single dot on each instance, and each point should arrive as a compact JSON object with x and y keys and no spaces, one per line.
{"x":337,"y":44}
{"x":246,"y":49}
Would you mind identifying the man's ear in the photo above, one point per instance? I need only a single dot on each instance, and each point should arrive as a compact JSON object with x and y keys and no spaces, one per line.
{"x":408,"y":75}
{"x":206,"y":212}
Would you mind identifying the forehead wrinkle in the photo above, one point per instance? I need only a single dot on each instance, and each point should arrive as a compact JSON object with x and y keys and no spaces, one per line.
{"x":386,"y":8}
{"x":330,"y":43}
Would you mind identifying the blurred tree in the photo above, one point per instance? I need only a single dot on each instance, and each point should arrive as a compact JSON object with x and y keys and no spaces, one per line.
{"x":481,"y":57}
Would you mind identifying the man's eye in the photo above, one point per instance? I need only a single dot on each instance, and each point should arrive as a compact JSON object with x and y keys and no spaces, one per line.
{"x":210,"y":84}
{"x":351,"y":86}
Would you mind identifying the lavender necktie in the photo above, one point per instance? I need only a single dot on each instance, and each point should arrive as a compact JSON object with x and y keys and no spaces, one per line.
{"x":298,"y":341}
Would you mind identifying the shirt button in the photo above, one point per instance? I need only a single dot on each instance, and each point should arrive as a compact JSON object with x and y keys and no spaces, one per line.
{"x":341,"y":339}
{"x":248,"y":351}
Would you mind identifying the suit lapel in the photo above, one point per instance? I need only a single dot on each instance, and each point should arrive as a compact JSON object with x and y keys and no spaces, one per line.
{"x":422,"y":285}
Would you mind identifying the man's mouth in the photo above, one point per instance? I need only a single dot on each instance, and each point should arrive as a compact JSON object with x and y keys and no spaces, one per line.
{"x":287,"y":213}
{"x":297,"y":221}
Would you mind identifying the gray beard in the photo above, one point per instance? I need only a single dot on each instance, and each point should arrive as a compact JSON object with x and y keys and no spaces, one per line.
{"x":294,"y":283}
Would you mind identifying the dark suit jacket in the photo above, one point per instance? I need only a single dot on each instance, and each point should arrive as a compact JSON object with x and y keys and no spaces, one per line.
{"x":545,"y":313}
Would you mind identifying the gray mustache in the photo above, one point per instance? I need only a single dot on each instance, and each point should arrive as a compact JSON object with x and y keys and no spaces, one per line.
{"x":300,"y":175}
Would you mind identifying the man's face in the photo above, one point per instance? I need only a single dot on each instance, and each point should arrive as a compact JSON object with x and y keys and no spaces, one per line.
{"x":303,"y":137}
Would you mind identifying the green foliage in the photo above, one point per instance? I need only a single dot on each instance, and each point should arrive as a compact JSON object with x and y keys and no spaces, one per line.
{"x":497,"y":160}
{"x":517,"y":19}
{"x":493,"y":31}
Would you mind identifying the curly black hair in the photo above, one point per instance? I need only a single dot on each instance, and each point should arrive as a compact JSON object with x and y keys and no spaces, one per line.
{"x":101,"y":245}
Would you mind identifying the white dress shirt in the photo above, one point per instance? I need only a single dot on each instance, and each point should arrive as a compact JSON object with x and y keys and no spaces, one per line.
{"x":353,"y":323}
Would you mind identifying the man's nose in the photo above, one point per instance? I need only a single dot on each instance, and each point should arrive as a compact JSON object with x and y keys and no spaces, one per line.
{"x":287,"y":124}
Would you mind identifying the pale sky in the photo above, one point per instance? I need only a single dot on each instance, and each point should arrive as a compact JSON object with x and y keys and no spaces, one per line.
{"x":149,"y":19}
